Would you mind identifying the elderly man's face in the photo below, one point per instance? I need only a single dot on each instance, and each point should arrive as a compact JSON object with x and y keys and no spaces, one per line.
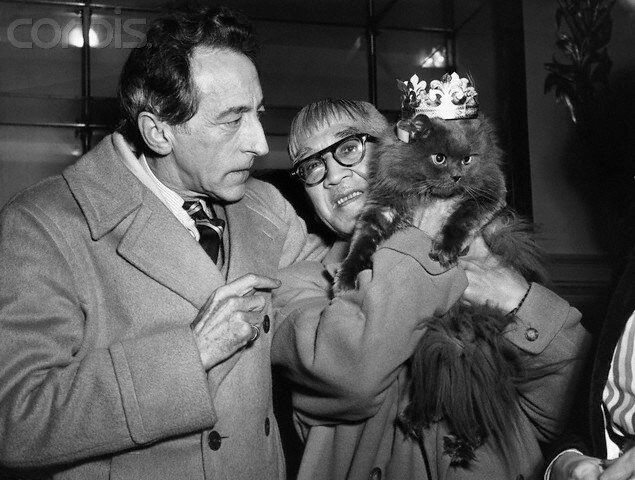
{"x":214,"y":151}
{"x":339,"y":198}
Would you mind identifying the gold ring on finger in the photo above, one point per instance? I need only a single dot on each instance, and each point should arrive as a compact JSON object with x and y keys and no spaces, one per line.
{"x":256,"y":333}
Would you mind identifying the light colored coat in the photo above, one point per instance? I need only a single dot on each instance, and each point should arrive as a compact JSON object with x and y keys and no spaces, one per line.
{"x":99,"y":371}
{"x":347,"y":358}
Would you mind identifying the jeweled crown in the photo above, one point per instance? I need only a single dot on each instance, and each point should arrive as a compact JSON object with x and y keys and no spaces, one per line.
{"x":450,"y":98}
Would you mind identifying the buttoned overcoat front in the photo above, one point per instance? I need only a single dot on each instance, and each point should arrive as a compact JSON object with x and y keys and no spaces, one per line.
{"x":100,"y":377}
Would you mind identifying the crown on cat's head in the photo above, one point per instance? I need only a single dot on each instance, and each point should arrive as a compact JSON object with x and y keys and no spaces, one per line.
{"x":450,"y":98}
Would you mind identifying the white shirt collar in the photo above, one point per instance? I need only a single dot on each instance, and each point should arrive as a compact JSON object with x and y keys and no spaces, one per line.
{"x":140,"y":169}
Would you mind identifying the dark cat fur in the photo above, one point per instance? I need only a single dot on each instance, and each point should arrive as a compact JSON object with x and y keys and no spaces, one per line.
{"x":402,"y":177}
{"x":470,"y":378}
{"x":464,"y":372}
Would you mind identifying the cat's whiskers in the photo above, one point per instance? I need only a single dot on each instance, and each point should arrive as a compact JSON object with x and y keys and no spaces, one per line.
{"x":484,"y":193}
{"x":474,"y":197}
{"x":479,"y":197}
{"x":423,"y":188}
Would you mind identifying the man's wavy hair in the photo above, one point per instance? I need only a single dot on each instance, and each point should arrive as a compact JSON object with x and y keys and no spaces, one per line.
{"x":157,"y":78}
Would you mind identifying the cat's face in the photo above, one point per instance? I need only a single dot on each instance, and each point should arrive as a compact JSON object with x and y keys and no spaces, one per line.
{"x":341,"y":195}
{"x":448,"y":158}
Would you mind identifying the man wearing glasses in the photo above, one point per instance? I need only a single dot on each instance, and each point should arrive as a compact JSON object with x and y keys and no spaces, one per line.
{"x":347,"y":356}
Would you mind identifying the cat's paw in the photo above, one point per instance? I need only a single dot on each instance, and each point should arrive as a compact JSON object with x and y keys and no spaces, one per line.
{"x":446,"y":256}
{"x":344,"y":281}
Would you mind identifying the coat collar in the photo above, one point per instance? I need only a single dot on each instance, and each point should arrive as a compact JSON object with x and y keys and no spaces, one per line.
{"x":150,"y":236}
{"x":335,"y":256}
{"x":154,"y":241}
{"x":104,"y":188}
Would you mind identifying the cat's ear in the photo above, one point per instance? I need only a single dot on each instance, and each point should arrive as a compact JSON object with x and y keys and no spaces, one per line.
{"x":414,"y":129}
{"x":422,"y":127}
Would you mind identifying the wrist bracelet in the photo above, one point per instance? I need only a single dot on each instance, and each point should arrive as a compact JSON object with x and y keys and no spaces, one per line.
{"x":515,"y":310}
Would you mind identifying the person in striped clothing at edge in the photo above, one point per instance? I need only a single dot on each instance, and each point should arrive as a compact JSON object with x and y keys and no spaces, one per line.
{"x":599,"y":444}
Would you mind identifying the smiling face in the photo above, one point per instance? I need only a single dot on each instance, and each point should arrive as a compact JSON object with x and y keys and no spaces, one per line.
{"x":214,"y":150}
{"x":339,"y":198}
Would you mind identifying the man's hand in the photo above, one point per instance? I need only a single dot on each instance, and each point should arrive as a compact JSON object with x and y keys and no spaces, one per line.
{"x":573,"y":466}
{"x":224,"y":324}
{"x":490,"y":281}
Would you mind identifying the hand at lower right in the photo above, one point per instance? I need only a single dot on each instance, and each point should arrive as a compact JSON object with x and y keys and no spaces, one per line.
{"x":573,"y":466}
{"x":489,"y":281}
{"x":622,"y":468}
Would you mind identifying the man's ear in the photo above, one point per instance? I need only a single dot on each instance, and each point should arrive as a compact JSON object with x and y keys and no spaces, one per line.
{"x":156,"y":134}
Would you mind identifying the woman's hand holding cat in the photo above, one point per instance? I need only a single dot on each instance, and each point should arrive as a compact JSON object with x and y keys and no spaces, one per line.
{"x":430,"y":217}
{"x":574,"y":466}
{"x":490,"y":281}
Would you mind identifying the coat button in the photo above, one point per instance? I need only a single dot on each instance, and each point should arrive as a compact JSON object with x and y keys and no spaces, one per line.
{"x":375,"y":474}
{"x":266,"y":323}
{"x":214,"y":440}
{"x":531,"y":334}
{"x":267,"y":426}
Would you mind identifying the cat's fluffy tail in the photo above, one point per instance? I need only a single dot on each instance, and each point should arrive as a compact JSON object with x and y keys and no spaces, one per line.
{"x":513,"y":239}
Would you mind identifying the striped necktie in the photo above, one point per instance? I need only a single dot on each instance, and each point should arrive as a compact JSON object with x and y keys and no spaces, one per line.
{"x":210,"y":229}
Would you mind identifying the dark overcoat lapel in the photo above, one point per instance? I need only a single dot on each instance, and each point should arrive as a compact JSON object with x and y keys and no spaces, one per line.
{"x":155,"y":242}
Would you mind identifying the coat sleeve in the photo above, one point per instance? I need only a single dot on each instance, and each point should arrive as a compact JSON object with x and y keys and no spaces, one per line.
{"x":63,"y":399}
{"x":299,"y":245}
{"x":344,"y":353}
{"x":549,"y":331}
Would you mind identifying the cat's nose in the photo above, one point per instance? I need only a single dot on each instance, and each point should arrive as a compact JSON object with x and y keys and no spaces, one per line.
{"x":456,"y":178}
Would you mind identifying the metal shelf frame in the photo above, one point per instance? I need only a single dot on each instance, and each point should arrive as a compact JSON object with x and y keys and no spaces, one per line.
{"x":510,"y":52}
{"x":373,"y":27}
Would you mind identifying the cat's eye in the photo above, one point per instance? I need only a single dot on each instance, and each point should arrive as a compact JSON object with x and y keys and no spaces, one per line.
{"x":438,"y":158}
{"x":467,"y":160}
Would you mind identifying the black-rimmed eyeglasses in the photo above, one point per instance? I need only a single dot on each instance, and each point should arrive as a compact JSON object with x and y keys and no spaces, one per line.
{"x":347,"y":152}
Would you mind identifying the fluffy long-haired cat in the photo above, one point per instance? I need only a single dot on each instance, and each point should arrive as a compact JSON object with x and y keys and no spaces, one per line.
{"x":464,"y":371}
